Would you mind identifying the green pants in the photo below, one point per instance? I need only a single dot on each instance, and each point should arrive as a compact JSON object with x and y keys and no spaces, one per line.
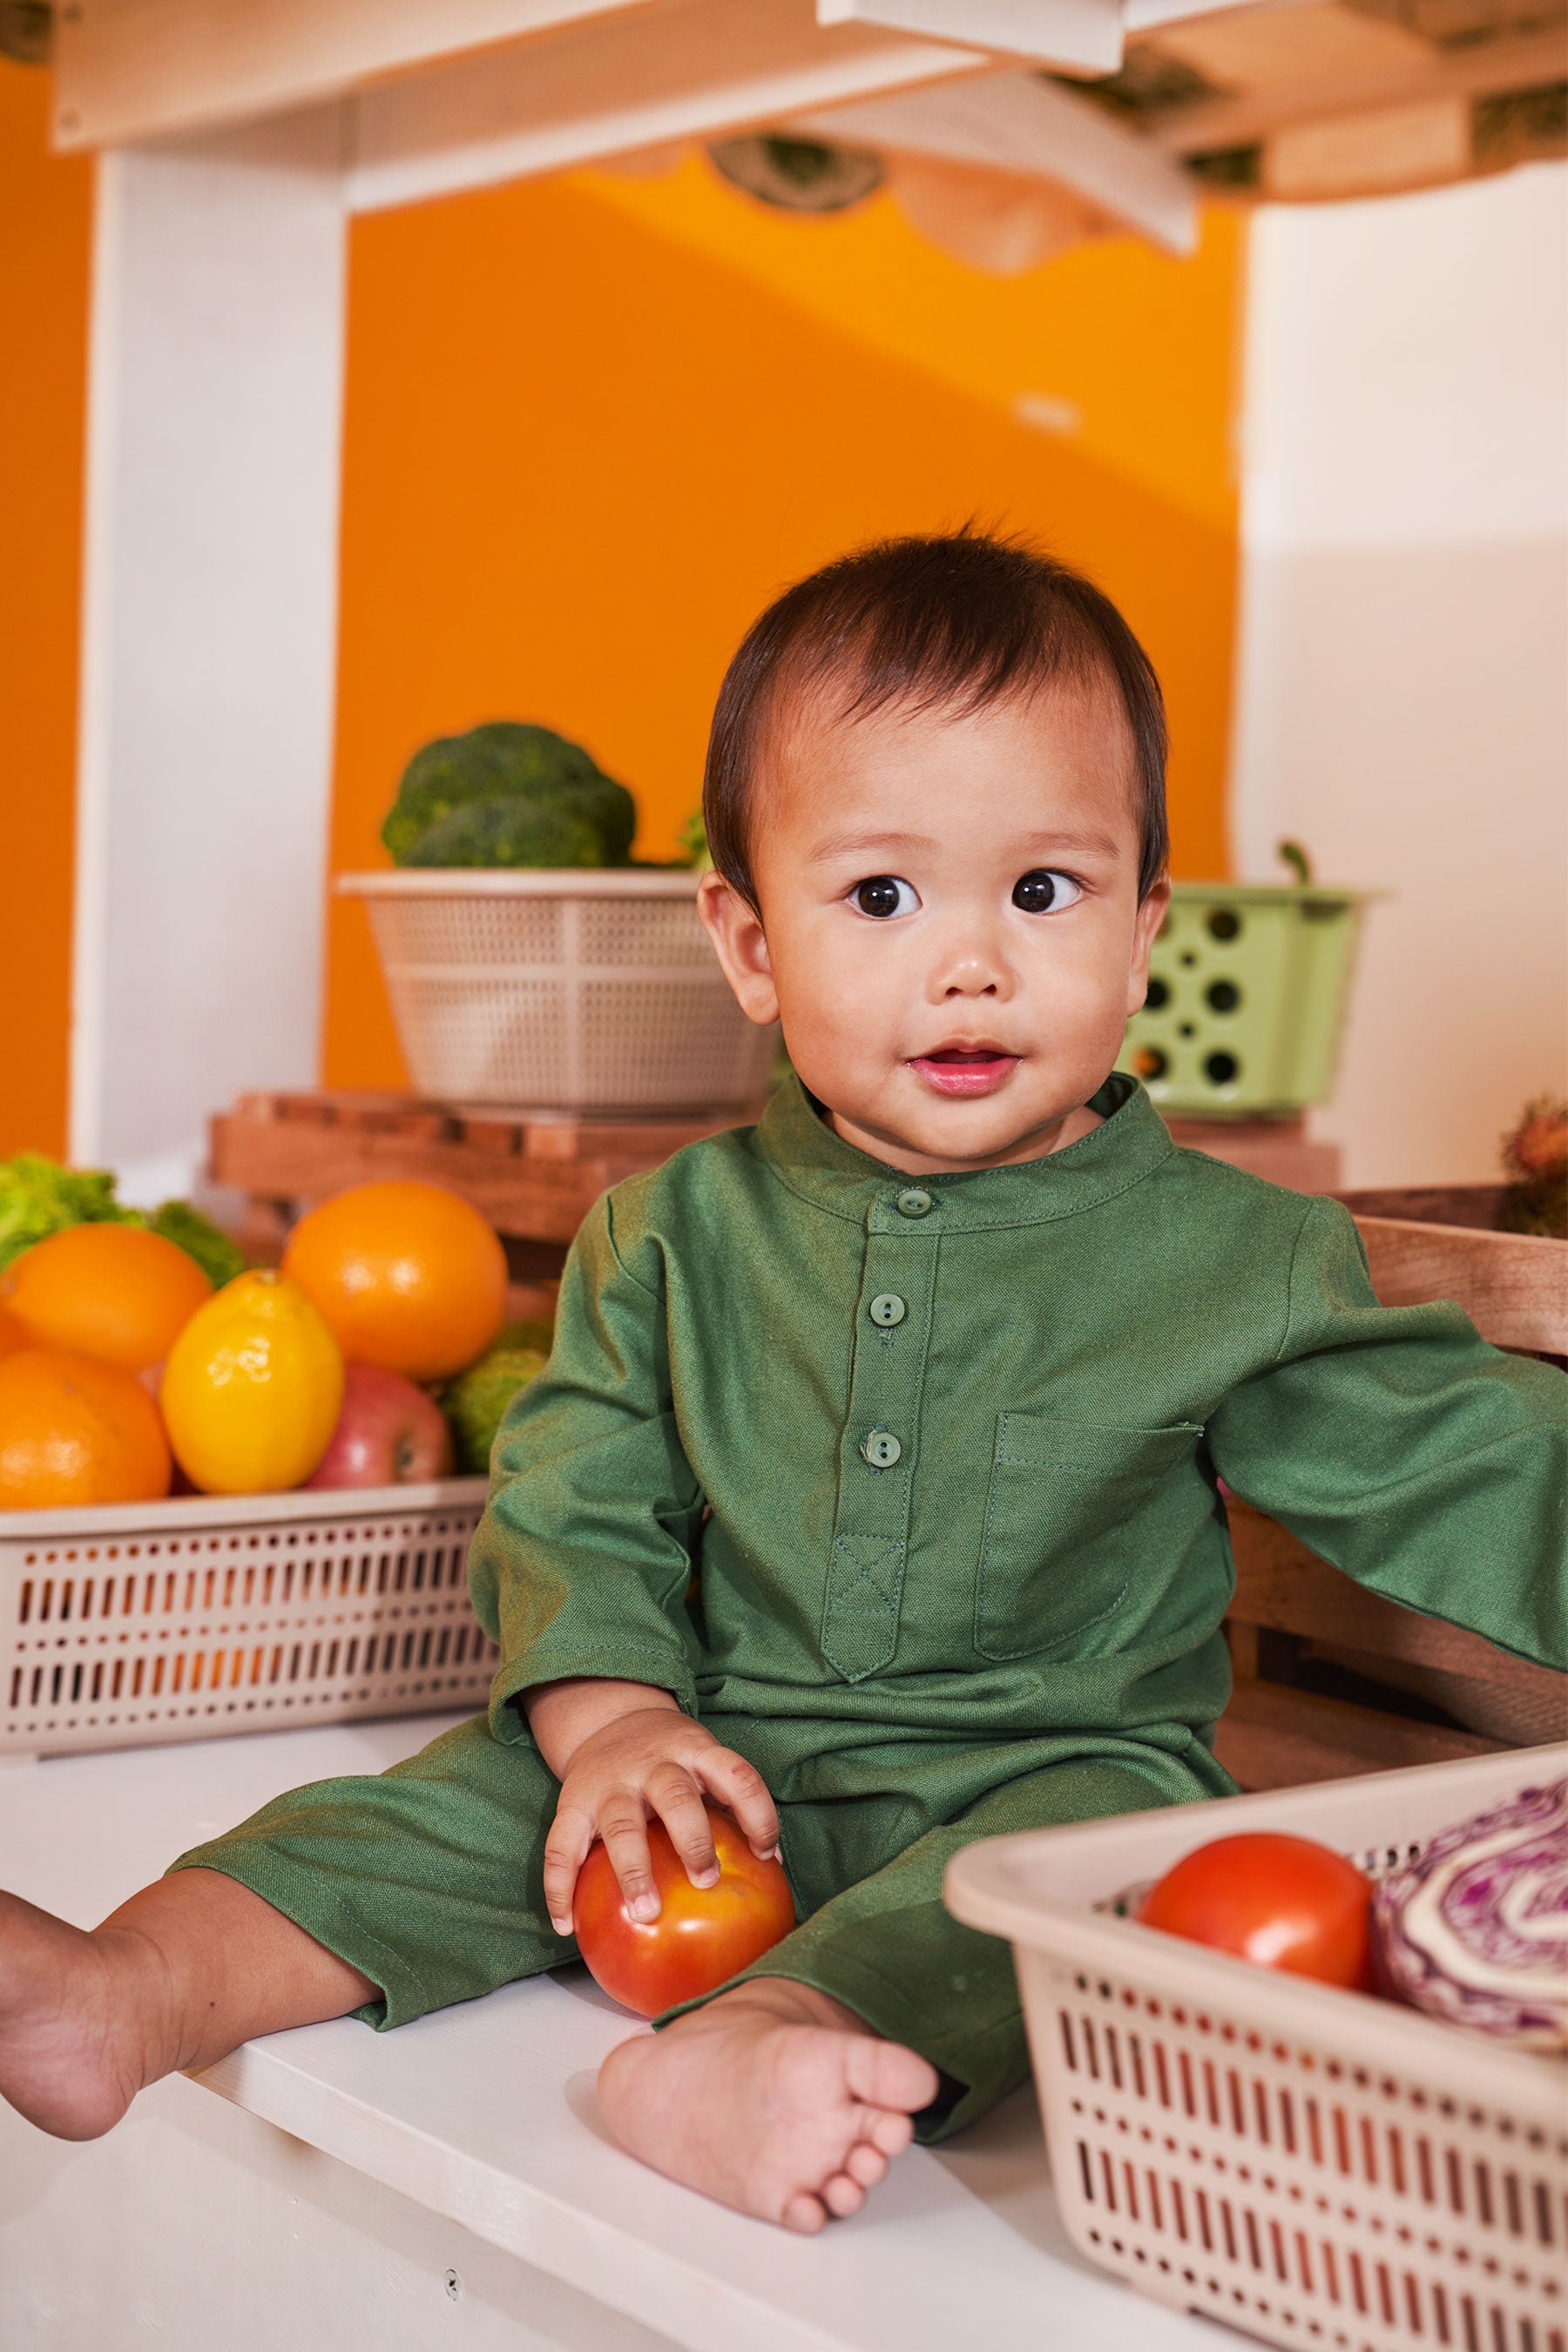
{"x":429,"y":1879}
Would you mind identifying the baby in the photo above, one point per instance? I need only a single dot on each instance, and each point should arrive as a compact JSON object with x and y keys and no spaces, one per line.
{"x":933,"y":1377}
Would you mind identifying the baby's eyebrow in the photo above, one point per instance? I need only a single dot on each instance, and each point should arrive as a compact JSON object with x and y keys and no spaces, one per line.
{"x":861,"y":843}
{"x":1028,"y":845}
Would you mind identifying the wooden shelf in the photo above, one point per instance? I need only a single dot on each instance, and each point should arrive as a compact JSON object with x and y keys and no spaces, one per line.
{"x":535,"y":1174}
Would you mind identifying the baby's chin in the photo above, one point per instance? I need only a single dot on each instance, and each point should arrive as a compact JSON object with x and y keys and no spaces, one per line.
{"x":911,"y":1121}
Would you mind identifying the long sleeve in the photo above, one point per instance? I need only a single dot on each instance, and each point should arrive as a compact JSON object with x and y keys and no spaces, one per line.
{"x":581,"y":1563}
{"x":1399,"y":1445}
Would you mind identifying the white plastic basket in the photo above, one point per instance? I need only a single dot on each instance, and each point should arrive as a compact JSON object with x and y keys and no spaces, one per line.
{"x":1315,"y":2168}
{"x":582,"y":990}
{"x":136,"y":1623}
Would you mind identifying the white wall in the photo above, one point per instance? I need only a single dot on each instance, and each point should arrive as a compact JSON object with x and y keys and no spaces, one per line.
{"x":1400,"y":705}
{"x":210,"y":638}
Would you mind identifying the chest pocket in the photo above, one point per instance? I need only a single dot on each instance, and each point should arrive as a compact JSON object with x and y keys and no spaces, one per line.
{"x":1059,"y":1547}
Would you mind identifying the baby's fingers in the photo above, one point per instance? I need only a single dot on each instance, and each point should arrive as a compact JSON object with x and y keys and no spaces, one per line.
{"x":676,"y":1799}
{"x":741,"y":1787}
{"x":622,"y":1825}
{"x":565,"y":1851}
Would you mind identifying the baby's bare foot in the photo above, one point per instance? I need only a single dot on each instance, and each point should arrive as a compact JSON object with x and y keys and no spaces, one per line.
{"x":774,"y":2099}
{"x":62,"y":2062}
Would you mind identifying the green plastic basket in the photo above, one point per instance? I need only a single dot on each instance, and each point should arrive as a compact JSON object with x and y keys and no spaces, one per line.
{"x":1246,"y":995}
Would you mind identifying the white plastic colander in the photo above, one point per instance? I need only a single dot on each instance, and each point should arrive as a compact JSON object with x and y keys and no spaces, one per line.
{"x":572,"y":989}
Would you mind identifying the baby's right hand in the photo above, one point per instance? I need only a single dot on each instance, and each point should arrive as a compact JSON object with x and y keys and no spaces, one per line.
{"x":651,"y":1762}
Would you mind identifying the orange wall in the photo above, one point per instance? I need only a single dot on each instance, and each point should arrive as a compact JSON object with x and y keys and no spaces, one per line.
{"x":44,"y":221}
{"x":593,"y":425}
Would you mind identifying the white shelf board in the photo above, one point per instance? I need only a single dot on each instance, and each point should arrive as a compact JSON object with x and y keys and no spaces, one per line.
{"x":701,"y":70}
{"x":1021,"y":122}
{"x":1074,"y":34}
{"x":484,"y":2115}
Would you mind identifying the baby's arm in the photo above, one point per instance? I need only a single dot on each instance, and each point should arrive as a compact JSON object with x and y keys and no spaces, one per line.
{"x":623,"y":1751}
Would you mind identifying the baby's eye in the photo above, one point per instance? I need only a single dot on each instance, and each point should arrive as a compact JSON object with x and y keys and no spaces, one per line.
{"x":884,"y":895}
{"x":1045,"y":891}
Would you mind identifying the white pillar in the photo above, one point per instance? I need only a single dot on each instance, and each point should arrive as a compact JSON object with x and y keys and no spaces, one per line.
{"x":209,"y":635}
{"x":1404,"y":612}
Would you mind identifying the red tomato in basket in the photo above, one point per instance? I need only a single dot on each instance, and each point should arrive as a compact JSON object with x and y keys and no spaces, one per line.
{"x":1281,"y":1902}
{"x":702,"y":1934}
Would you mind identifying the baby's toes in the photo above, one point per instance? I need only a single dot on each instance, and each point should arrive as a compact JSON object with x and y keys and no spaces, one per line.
{"x":886,"y":2074}
{"x":866,"y":2164}
{"x":805,"y":2214}
{"x":889,"y":2134}
{"x":843,"y":2195}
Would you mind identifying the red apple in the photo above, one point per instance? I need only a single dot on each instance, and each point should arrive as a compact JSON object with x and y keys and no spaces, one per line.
{"x":389,"y":1433}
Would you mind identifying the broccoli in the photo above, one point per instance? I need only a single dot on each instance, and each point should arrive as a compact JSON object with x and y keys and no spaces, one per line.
{"x":508,"y":794}
{"x":508,"y":833}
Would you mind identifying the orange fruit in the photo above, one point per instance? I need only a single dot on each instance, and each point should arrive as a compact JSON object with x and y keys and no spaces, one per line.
{"x":252,"y":1387}
{"x":74,"y":1431}
{"x":408,"y":1274}
{"x":116,"y":1292}
{"x":13,"y":1335}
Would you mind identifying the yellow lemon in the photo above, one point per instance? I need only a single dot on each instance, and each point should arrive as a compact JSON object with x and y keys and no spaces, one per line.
{"x":252,"y":1387}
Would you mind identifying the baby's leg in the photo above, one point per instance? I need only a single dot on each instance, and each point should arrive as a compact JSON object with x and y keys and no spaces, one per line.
{"x":788,"y":2092}
{"x":397,"y":1895}
{"x":175,"y":1977}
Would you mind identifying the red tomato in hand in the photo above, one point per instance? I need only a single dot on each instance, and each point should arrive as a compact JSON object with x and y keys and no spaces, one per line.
{"x":1282,"y":1902}
{"x":702,"y":1934}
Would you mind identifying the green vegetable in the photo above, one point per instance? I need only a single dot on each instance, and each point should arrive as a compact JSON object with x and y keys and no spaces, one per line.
{"x":693,"y":840}
{"x":508,"y":794}
{"x":508,"y":833}
{"x":220,"y":1258}
{"x":39,"y":1197}
{"x":477,"y":1400}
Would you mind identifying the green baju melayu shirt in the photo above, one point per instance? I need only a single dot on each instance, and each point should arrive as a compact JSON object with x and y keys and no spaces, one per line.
{"x":944,"y":1455}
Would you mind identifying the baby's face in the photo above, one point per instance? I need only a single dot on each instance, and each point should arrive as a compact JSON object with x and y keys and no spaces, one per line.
{"x":951,"y":931}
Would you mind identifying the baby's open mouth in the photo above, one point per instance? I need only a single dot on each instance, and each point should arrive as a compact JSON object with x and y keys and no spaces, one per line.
{"x":964,"y":1069}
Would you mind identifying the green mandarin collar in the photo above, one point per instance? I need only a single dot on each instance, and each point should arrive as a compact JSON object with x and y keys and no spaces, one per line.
{"x":821,"y":1168}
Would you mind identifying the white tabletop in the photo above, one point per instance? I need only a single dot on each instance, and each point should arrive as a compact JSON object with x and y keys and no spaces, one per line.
{"x":485,"y":2114}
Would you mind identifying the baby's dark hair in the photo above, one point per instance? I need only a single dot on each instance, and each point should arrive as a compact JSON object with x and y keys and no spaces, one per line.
{"x":950,"y":623}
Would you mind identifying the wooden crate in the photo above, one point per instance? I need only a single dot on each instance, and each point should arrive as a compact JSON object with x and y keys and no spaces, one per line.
{"x":535,"y":1174}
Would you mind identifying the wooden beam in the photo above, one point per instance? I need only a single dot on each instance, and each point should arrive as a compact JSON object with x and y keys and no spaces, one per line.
{"x":1073,"y":35}
{"x":1018,"y":123}
{"x":1270,"y":1738}
{"x":1491,"y":65}
{"x":135,"y":70}
{"x":1282,"y":1586}
{"x":1513,"y":1286}
{"x":695,"y":71}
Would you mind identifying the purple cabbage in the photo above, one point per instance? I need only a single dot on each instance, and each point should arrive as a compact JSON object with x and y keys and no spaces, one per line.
{"x":1475,"y":1930}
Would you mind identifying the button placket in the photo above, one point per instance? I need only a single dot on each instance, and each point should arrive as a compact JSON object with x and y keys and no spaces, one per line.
{"x":877,"y":1454}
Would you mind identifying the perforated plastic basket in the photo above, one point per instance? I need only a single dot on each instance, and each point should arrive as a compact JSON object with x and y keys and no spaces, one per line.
{"x":1316,"y":2168}
{"x":562,"y":990}
{"x":137,"y":1622}
{"x":1247,"y":986}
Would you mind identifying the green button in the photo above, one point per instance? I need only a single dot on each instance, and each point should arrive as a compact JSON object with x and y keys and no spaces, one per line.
{"x":887,"y":1310}
{"x":881,"y":1448}
{"x":914,"y":1202}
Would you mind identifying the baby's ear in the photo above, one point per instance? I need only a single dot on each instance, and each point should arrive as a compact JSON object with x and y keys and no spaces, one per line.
{"x":735,"y":928}
{"x":1151,"y":913}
